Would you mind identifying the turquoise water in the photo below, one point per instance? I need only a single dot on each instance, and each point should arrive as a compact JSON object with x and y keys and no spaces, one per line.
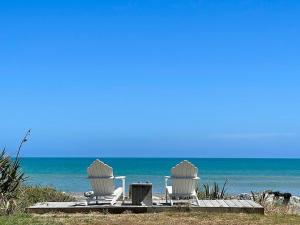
{"x":244,"y":175}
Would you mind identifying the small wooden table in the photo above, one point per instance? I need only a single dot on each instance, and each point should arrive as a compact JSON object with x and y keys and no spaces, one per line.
{"x":141,"y":194}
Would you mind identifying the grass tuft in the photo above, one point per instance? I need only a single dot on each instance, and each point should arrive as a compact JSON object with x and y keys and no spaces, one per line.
{"x":30,"y":195}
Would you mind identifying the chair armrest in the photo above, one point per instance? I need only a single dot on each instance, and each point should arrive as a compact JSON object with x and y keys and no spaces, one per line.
{"x":166,"y":180}
{"x":99,"y":178}
{"x":123,"y":185}
{"x":184,"y":178}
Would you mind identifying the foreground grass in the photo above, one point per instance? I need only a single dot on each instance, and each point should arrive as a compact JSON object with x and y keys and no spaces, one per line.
{"x":149,"y":219}
{"x":31,"y":195}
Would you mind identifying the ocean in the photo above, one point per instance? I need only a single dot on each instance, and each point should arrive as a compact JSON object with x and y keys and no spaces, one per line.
{"x":244,"y":175}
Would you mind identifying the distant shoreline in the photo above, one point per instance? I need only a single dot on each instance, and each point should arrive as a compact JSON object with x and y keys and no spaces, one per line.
{"x":151,"y":157}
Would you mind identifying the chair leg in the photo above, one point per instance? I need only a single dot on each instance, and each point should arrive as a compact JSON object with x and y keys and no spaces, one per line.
{"x":114,"y":200}
{"x":166,"y":196}
{"x":123,"y":186}
{"x":197,"y":200}
{"x":89,"y":200}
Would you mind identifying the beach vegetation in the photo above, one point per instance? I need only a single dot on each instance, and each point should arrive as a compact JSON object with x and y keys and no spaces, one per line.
{"x":15,"y":196}
{"x":214,"y":191}
{"x":11,"y":179}
{"x":29,"y":195}
{"x":273,"y":205}
{"x":260,"y":198}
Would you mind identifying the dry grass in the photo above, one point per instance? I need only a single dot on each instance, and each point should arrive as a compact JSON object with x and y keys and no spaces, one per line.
{"x":163,"y":218}
{"x":274,"y":215}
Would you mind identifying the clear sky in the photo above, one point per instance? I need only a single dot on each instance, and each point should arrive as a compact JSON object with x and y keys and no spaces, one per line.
{"x":151,"y":78}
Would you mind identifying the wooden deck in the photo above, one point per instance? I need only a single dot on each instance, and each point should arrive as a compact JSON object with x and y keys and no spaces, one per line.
{"x":220,"y":206}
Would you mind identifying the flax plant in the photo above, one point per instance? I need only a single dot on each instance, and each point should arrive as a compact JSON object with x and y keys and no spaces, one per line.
{"x":11,"y":179}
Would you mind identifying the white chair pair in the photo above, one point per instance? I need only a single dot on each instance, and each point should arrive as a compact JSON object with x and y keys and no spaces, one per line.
{"x":184,"y":183}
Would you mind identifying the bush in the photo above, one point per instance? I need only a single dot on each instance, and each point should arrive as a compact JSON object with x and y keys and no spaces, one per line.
{"x":29,"y":195}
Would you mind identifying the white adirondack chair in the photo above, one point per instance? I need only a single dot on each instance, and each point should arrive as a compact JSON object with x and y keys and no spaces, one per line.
{"x":184,"y":182}
{"x":102,"y":182}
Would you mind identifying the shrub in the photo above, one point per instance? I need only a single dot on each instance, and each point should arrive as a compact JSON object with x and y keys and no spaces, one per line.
{"x":260,"y":198}
{"x":11,"y":178}
{"x":29,"y":195}
{"x":212,"y":192}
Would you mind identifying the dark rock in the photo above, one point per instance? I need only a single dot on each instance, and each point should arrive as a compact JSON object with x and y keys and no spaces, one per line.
{"x":286,"y":196}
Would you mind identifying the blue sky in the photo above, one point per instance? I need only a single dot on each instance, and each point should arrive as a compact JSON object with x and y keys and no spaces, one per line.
{"x":151,"y":78}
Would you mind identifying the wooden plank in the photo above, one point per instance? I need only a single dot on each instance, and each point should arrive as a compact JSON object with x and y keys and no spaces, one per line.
{"x":222,"y":203}
{"x":215,"y":203}
{"x":208,"y":203}
{"x":230,"y":203}
{"x":206,"y":206}
{"x":254,"y":204}
{"x":246,"y":204}
{"x":237,"y":203}
{"x":201,"y":203}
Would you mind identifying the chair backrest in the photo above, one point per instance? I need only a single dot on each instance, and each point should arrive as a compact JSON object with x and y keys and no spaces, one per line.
{"x":101,"y":178}
{"x":183,"y":183}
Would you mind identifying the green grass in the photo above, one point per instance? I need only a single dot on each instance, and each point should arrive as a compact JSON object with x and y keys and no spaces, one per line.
{"x":18,"y":219}
{"x":150,"y":219}
{"x":31,"y":195}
